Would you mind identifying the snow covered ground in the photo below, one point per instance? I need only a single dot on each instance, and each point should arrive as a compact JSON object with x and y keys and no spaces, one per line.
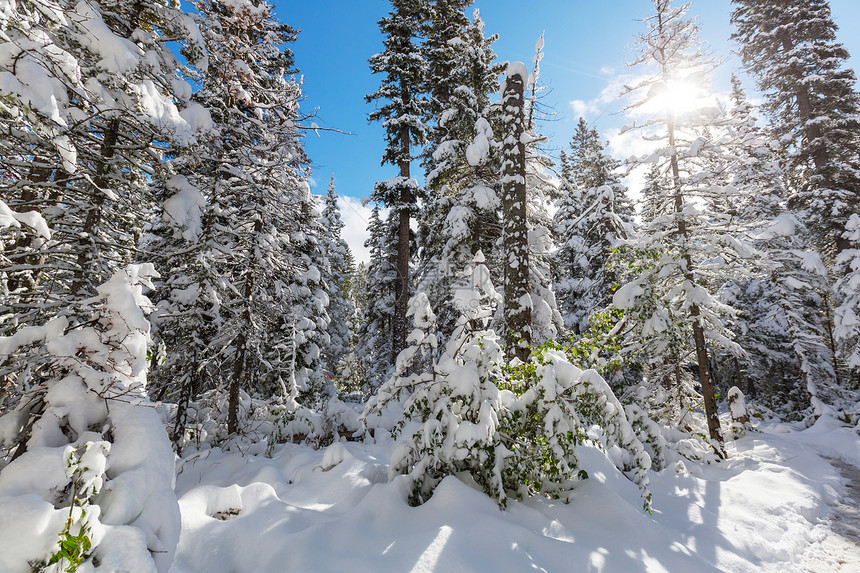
{"x":777,"y":505}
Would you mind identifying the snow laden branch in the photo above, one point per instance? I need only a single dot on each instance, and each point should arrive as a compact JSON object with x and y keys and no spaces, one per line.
{"x":88,"y":469}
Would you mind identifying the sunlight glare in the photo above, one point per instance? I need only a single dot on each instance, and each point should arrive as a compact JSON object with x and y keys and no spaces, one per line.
{"x":676,"y":97}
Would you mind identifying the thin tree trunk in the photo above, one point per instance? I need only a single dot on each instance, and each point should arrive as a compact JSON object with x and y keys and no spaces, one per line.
{"x":831,"y":340}
{"x":185,"y":397}
{"x":240,"y":369}
{"x":89,"y":237}
{"x":236,"y":381}
{"x":29,"y":279}
{"x":518,"y":311}
{"x":705,"y":377}
{"x":741,"y":381}
{"x":401,"y":283}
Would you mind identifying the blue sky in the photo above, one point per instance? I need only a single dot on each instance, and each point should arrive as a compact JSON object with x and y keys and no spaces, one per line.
{"x":587,"y":44}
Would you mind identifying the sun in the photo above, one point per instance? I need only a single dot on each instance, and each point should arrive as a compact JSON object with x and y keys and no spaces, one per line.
{"x":676,"y":97}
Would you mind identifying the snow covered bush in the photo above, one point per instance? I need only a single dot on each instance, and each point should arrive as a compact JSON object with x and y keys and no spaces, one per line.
{"x":847,"y":318}
{"x":264,"y":423}
{"x":84,"y":454}
{"x":85,"y":466}
{"x":551,"y":408}
{"x":738,"y":410}
{"x":513,"y":430}
{"x":649,"y":433}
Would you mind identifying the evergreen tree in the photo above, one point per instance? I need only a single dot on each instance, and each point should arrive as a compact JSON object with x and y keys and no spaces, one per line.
{"x":337,"y":279}
{"x":265,"y":239}
{"x":374,"y":343}
{"x":402,"y":112}
{"x":83,"y":133}
{"x":443,"y":49}
{"x":682,"y":254}
{"x":461,"y":215}
{"x":354,"y":375}
{"x":188,"y":311}
{"x":847,"y":320}
{"x":512,"y":429}
{"x":587,"y":228}
{"x":814,"y":109}
{"x":791,"y":49}
{"x":787,"y":362}
{"x":653,"y":194}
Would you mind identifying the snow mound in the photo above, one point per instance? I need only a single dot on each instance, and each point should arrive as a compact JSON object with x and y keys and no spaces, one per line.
{"x":333,"y":510}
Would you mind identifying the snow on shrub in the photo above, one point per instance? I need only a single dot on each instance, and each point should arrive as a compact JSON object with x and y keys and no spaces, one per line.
{"x":553,"y":406}
{"x":264,"y":423}
{"x":513,"y":430}
{"x":847,"y":316}
{"x":738,"y":411}
{"x":88,"y":470}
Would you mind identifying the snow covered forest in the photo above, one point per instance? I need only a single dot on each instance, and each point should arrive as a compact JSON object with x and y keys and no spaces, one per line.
{"x":542,"y":366}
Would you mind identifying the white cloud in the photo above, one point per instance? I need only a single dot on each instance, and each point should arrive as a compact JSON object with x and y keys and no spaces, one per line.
{"x":627,"y":144}
{"x":608,"y":96}
{"x":584,"y":108}
{"x":355,"y":218}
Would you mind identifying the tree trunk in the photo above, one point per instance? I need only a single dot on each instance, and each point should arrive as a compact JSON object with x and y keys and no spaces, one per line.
{"x":88,"y":243}
{"x":831,"y":340}
{"x":401,"y":282}
{"x":236,"y":382}
{"x":182,"y":406}
{"x":240,"y":369}
{"x":704,"y":363}
{"x":21,"y":251}
{"x":741,"y":382}
{"x":518,"y":312}
{"x":711,"y":413}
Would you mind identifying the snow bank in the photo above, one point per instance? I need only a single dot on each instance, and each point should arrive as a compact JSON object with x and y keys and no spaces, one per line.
{"x":95,"y":461}
{"x":334,"y":510}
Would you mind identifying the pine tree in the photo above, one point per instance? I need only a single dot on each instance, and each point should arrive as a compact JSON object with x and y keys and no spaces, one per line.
{"x":653,"y":194}
{"x":337,"y":281}
{"x":188,"y":310}
{"x":354,"y":374}
{"x":682,"y":254}
{"x":586,"y":228}
{"x":443,"y":48}
{"x":374,"y":344}
{"x":449,"y":387}
{"x":266,"y":239}
{"x":402,"y":112}
{"x":787,"y":361}
{"x":461,"y":214}
{"x":512,"y":429}
{"x":847,"y":332}
{"x":83,"y":133}
{"x":791,"y":49}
